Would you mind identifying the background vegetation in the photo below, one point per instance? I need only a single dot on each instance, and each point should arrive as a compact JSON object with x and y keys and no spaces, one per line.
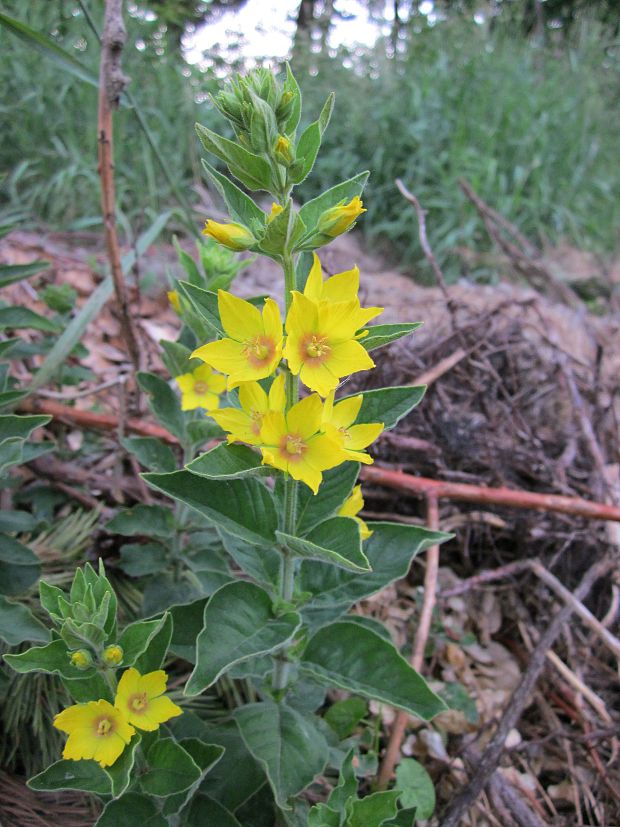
{"x":531,"y":121}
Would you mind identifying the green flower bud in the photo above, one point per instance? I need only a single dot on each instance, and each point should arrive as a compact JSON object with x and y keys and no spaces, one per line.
{"x":283,"y":151}
{"x":112,"y":655}
{"x":82,"y":659}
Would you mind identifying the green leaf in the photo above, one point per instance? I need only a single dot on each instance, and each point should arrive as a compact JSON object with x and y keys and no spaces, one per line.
{"x":141,"y":559}
{"x":336,"y":487}
{"x":388,"y":405}
{"x":347,"y":784}
{"x":457,"y":697}
{"x":187,"y":622}
{"x":164,"y":403}
{"x":130,"y":810}
{"x":357,"y":659}
{"x":205,"y":304}
{"x":23,"y":317}
{"x":403,"y":818}
{"x":15,"y":521}
{"x":136,"y":637}
{"x":87,"y":776}
{"x":389,"y":550}
{"x":74,"y":331}
{"x":323,"y":816}
{"x":155,"y":654}
{"x":9,"y":398}
{"x":312,"y":210}
{"x":10,"y":273}
{"x":176,"y":357}
{"x":205,"y":756}
{"x":239,"y":624}
{"x":205,"y":810}
{"x":121,"y":769}
{"x":244,"y":508}
{"x":19,"y":567}
{"x":373,"y":810}
{"x":262,"y":564}
{"x":171,"y":769}
{"x":344,"y":716}
{"x":7,"y":344}
{"x":287,"y":743}
{"x":49,"y":49}
{"x":228,"y":462}
{"x":252,"y":170}
{"x":417,"y":788}
{"x":335,"y":541}
{"x":18,"y":624}
{"x":241,"y":207}
{"x":151,"y":452}
{"x":307,"y":150}
{"x":190,"y":267}
{"x":383,"y":334}
{"x":151,"y":520}
{"x":52,"y":658}
{"x":292,"y":86}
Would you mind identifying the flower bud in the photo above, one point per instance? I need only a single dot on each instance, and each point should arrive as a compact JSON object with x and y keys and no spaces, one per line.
{"x":340,"y":218}
{"x":284,"y":107}
{"x":276,"y":209}
{"x":173,"y":298}
{"x":283,"y":151}
{"x":234,"y":236}
{"x":81,"y":659}
{"x":112,"y":655}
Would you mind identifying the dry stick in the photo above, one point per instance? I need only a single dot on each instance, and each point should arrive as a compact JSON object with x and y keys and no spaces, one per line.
{"x":112,"y":81}
{"x":490,"y":758}
{"x":392,"y":753}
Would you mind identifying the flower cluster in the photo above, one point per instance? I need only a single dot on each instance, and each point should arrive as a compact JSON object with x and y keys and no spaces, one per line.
{"x":100,"y":731}
{"x":323,"y":327}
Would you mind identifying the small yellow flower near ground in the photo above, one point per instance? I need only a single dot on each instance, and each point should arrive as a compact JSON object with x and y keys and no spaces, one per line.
{"x":254,"y":345}
{"x":350,"y":508}
{"x":321,"y":343}
{"x":341,"y":416}
{"x":294,"y":443}
{"x":340,"y":218}
{"x":234,"y":236}
{"x":276,"y":209}
{"x":201,"y":388}
{"x":96,"y":730}
{"x":141,"y":699}
{"x":175,"y":301}
{"x":244,"y":424}
{"x":341,"y":287}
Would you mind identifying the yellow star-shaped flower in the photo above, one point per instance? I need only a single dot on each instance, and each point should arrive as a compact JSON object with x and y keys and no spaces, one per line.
{"x":253,"y":347}
{"x":96,"y":730}
{"x":243,"y":424}
{"x":341,"y":287}
{"x":294,"y":443}
{"x":321,"y":344}
{"x":201,"y":388}
{"x":341,"y":416}
{"x":141,"y":699}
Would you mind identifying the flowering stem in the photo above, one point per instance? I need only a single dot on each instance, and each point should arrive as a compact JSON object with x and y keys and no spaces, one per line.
{"x":287,"y":570}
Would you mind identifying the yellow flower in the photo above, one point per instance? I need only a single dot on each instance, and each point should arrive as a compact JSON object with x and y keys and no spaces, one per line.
{"x":96,"y":730}
{"x":276,"y":209}
{"x":112,"y":655}
{"x":321,"y":346}
{"x":340,"y":218}
{"x":254,"y":345}
{"x":244,"y":424}
{"x":283,"y":151}
{"x":201,"y":388}
{"x":351,"y":507}
{"x":175,"y":301}
{"x":356,"y":437}
{"x":82,"y":659}
{"x":293,"y":442}
{"x":341,"y":287}
{"x":234,"y":236}
{"x":141,"y":699}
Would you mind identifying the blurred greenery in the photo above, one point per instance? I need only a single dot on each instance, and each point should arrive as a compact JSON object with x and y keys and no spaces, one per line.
{"x":533,"y":127}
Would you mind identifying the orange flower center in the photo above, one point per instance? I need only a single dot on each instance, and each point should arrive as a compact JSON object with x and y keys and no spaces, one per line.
{"x":200,"y":387}
{"x":258,"y":350}
{"x":138,"y":702}
{"x":315,"y":348}
{"x":103,"y":727}
{"x":292,"y":447}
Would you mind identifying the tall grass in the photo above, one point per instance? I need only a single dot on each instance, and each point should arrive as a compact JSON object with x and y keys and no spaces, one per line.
{"x":534,"y":129}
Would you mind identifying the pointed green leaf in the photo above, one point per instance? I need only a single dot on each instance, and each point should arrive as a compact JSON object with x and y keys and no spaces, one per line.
{"x":10,"y":273}
{"x":19,"y":566}
{"x":132,"y":809}
{"x":136,"y":638}
{"x":228,"y":462}
{"x":373,"y":810}
{"x":388,"y":405}
{"x":187,"y":623}
{"x":22,"y":317}
{"x":20,"y":426}
{"x":205,"y":756}
{"x":336,"y":487}
{"x":164,"y":403}
{"x":243,"y":507}
{"x":239,"y":624}
{"x":151,"y":452}
{"x":152,"y":520}
{"x":262,"y":564}
{"x":361,"y":661}
{"x":205,"y":304}
{"x":383,"y":334}
{"x":241,"y":207}
{"x":312,"y":210}
{"x":252,"y":170}
{"x":335,"y":541}
{"x":120,"y":771}
{"x":52,"y":658}
{"x":73,"y":775}
{"x":171,"y":769}
{"x":154,"y":656}
{"x":287,"y":743}
{"x":205,"y":810}
{"x":417,"y":788}
{"x":18,"y":624}
{"x":142,"y":559}
{"x":307,"y":150}
{"x":344,"y":716}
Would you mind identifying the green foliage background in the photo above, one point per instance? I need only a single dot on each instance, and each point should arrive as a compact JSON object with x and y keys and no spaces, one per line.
{"x":533,"y":127}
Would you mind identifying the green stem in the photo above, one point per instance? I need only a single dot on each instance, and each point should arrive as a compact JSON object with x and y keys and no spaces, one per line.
{"x":282,"y":665}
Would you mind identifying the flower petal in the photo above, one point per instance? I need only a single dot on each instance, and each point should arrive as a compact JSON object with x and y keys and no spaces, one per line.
{"x":349,"y":357}
{"x":323,"y":453}
{"x":225,"y":355}
{"x":342,"y":287}
{"x":314,"y":283}
{"x":304,"y":418}
{"x":360,"y":436}
{"x":153,"y":683}
{"x":318,"y":378}
{"x":346,"y":411}
{"x":272,"y":321}
{"x":277,"y":393}
{"x":240,"y":319}
{"x":252,"y":397}
{"x":273,"y":428}
{"x":186,"y":381}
